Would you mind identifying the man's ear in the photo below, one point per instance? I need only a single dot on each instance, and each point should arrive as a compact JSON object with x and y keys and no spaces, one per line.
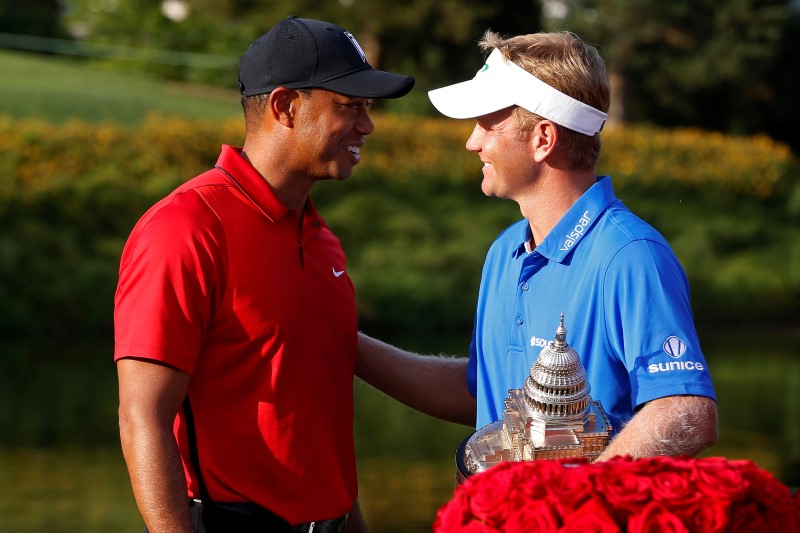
{"x":544,"y":139}
{"x":282,"y":105}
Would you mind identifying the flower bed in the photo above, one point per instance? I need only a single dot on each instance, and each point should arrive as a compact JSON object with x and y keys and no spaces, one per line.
{"x":660,"y":494}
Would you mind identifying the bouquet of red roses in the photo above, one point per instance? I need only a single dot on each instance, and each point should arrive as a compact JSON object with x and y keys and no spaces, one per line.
{"x":658,"y":494}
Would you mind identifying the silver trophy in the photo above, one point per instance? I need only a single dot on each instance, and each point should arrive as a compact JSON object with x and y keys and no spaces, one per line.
{"x":552,"y":417}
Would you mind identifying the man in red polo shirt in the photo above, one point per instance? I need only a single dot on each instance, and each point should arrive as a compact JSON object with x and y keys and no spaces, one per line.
{"x":235,"y":319}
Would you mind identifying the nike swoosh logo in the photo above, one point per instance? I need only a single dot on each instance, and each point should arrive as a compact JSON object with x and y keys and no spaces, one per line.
{"x":337,"y":273}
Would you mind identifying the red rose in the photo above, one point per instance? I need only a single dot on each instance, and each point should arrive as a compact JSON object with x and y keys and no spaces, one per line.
{"x":767,"y":490}
{"x":476,"y":526}
{"x":571,"y":489}
{"x":719,"y":478}
{"x":675,"y":487}
{"x":535,"y":516}
{"x":591,"y":517}
{"x":783,"y":520}
{"x":495,"y":497}
{"x":623,"y":459}
{"x":658,"y":494}
{"x":655,"y":518}
{"x":748,"y":518}
{"x":454,"y":515}
{"x":796,"y":510}
{"x":537,"y":477}
{"x":621,"y":486}
{"x":648,"y":466}
{"x":706,"y":516}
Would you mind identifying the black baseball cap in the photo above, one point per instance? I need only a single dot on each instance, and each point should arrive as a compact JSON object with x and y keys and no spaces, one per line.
{"x":303,"y":53}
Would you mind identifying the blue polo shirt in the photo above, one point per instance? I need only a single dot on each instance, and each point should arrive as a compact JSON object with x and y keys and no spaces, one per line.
{"x":625,"y":300}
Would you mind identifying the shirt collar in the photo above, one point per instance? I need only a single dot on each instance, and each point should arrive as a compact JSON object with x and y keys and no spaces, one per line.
{"x":524,"y":235}
{"x":256,"y":188}
{"x":570,"y":230}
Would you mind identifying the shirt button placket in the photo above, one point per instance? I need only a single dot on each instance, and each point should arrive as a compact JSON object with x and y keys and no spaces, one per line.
{"x":520,"y":318}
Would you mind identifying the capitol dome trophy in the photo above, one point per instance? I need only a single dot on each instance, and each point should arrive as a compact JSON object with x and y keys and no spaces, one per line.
{"x":551,"y":417}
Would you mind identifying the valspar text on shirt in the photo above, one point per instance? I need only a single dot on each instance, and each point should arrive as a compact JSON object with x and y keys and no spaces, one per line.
{"x":577,"y":232}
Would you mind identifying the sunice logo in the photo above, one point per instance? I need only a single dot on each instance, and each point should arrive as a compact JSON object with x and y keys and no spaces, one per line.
{"x":669,"y":366}
{"x":577,"y":232}
{"x":675,"y":348}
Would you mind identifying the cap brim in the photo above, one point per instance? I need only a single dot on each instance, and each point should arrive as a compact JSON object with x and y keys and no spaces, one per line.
{"x":371,"y":83}
{"x":501,"y":84}
{"x":470,"y":99}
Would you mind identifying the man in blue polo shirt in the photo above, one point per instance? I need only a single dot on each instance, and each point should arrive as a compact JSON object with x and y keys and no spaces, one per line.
{"x":540,"y":102}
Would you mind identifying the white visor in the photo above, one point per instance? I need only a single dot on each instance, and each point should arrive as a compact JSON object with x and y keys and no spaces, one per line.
{"x":501,"y":84}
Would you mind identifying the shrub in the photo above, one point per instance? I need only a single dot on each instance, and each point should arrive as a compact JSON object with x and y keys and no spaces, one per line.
{"x":412,"y":218}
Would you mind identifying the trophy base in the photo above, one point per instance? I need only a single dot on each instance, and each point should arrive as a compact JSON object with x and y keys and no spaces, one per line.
{"x":462,"y":472}
{"x":493,"y":444}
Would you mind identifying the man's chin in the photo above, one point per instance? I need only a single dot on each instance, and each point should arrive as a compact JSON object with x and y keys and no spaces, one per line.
{"x":342,"y":176}
{"x":487,"y":190}
{"x":338,"y":175}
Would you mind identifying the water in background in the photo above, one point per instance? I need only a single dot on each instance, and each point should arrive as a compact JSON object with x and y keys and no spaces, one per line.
{"x":61,"y":469}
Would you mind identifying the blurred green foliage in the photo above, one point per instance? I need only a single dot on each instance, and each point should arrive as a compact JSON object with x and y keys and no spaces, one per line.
{"x":412,"y":219}
{"x":390,"y":34}
{"x":716,"y":64}
{"x":700,"y":62}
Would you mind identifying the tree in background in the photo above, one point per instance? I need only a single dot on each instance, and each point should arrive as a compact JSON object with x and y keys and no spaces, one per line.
{"x":779,"y":113}
{"x":160,"y":34}
{"x":31,"y":17}
{"x":726,"y":65}
{"x":707,"y":63}
{"x":432,"y":39}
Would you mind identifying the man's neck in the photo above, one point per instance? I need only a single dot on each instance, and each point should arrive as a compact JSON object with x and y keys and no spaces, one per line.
{"x":291,"y":191}
{"x":549,"y":200}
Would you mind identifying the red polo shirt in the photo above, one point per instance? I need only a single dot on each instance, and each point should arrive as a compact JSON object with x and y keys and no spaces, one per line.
{"x":218,"y":280}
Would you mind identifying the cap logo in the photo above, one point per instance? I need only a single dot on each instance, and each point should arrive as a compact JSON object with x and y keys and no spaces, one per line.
{"x":358,"y":47}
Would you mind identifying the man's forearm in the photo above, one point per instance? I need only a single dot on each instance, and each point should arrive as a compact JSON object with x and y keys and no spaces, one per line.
{"x":434,"y":385}
{"x":675,"y":425}
{"x":157,"y":478}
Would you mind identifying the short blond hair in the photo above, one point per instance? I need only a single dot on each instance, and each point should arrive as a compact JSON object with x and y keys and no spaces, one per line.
{"x":564,"y":61}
